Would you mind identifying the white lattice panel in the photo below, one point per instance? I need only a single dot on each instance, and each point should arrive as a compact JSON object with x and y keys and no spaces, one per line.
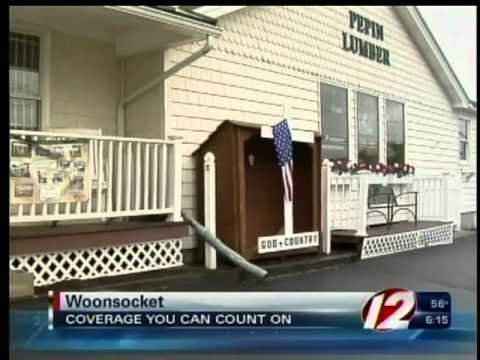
{"x":389,"y":244}
{"x":394,"y":243}
{"x":49,"y":268}
{"x":439,"y":235}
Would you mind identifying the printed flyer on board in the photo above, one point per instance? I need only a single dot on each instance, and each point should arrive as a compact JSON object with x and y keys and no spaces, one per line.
{"x":49,"y":172}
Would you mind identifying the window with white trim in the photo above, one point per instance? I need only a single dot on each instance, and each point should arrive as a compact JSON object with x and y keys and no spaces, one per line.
{"x":368,"y":132}
{"x":24,"y":81}
{"x":395,"y":113}
{"x":463,"y":137}
{"x":334,"y":120}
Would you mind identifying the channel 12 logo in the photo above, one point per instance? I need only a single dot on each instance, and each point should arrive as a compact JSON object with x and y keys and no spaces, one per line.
{"x":396,"y":309}
{"x":389,"y":309}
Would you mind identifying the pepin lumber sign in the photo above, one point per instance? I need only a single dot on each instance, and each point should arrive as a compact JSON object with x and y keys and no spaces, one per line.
{"x":361,"y":47}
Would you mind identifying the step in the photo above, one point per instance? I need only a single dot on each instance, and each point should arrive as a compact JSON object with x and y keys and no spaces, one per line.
{"x":21,"y":284}
{"x":305,"y":262}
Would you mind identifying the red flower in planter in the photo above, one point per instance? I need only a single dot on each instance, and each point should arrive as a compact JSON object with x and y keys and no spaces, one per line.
{"x":347,"y":166}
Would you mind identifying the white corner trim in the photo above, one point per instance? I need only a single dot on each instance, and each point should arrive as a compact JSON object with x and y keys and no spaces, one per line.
{"x":319,"y":107}
{"x":406,"y":145}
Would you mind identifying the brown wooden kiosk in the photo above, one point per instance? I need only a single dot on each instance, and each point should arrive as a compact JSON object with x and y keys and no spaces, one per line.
{"x":249,"y":190}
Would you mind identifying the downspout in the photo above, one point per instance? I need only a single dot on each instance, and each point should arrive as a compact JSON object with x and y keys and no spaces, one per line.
{"x":155,"y":82}
{"x":121,"y":110}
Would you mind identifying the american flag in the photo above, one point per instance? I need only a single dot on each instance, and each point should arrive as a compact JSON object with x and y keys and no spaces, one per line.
{"x":282,"y":139}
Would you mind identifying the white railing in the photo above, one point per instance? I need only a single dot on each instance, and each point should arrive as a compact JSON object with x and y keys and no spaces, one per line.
{"x":346,"y":192}
{"x":136,"y":177}
{"x":439,"y":198}
{"x":344,"y":197}
{"x":345,"y":203}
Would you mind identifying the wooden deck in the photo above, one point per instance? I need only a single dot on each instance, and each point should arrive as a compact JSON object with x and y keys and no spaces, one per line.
{"x":41,"y":239}
{"x":402,"y":236}
{"x":89,"y":251}
{"x":380,"y":230}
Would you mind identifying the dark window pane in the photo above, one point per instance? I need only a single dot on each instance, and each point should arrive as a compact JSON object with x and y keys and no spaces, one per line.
{"x":395,"y":153}
{"x":395,"y":133}
{"x":463,"y":150}
{"x":463,"y":129}
{"x":24,"y":51}
{"x":338,"y":151}
{"x":24,"y":114}
{"x":36,"y":56}
{"x":11,"y":52}
{"x":334,"y":122}
{"x":24,"y":81}
{"x":19,"y":50}
{"x":28,"y":55}
{"x":367,"y":116}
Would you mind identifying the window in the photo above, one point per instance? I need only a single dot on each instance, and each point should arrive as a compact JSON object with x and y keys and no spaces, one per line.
{"x":24,"y":81}
{"x":334,"y":122}
{"x":463,"y":137}
{"x":367,"y":116}
{"x":395,"y":133}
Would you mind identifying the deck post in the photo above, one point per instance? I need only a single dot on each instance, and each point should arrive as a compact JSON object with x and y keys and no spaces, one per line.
{"x":210,"y":211}
{"x":458,"y":198}
{"x":175,"y":174}
{"x":445,"y":198}
{"x":325,"y":193}
{"x":452,"y":198}
{"x":362,"y":203}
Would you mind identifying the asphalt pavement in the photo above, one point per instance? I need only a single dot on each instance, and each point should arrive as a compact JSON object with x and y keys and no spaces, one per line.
{"x":451,"y":268}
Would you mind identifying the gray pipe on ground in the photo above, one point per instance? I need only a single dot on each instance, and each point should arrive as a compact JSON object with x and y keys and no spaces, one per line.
{"x":225,"y":250}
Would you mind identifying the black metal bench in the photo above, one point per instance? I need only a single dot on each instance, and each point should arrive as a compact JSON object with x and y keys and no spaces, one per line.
{"x":383,"y":197}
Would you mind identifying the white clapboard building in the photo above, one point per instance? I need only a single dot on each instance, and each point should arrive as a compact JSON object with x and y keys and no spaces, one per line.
{"x":108,"y":105}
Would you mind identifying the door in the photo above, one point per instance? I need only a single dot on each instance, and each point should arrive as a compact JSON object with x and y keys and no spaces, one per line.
{"x":264,"y":190}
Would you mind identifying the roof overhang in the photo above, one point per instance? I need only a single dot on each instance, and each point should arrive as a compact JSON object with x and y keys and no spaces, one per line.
{"x":132,"y":29}
{"x":184,"y":28}
{"x":169,"y":18}
{"x":430,"y":49}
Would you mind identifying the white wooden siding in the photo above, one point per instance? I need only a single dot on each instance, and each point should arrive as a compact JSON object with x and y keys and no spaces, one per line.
{"x":269,"y":56}
{"x":144,"y":116}
{"x":84,"y":83}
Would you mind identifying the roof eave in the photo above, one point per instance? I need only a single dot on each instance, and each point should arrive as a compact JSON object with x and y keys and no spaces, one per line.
{"x":215,"y":11}
{"x":170,"y":18}
{"x":187,"y":12}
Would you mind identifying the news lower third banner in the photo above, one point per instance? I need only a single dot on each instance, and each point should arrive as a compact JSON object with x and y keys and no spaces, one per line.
{"x":231,"y":320}
{"x":387,"y":310}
